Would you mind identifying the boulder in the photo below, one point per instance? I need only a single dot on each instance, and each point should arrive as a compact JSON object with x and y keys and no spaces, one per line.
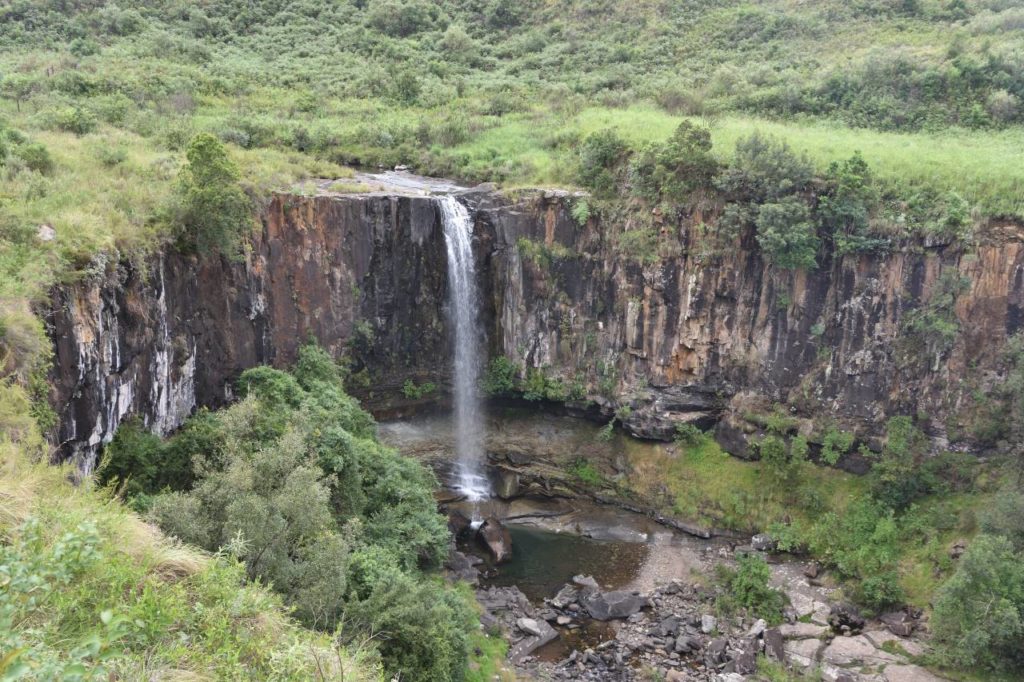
{"x":668,"y":627}
{"x":529,"y":626}
{"x":773,"y":644}
{"x":802,"y":631}
{"x":567,"y":595}
{"x":845,"y":619}
{"x":530,"y":643}
{"x":496,"y":539}
{"x":762,"y":542}
{"x":505,"y":483}
{"x":849,"y":651}
{"x":686,"y":643}
{"x":757,"y":628}
{"x":899,"y":623}
{"x":714,"y":655}
{"x":458,"y":523}
{"x":802,"y":653}
{"x":746,"y":662}
{"x":611,"y":605}
{"x":708,"y":624}
{"x":585,"y":582}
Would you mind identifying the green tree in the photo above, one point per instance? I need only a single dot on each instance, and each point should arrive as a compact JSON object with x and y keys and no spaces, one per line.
{"x":785,"y":232}
{"x":215,"y":213}
{"x":844,"y":209}
{"x":979,"y":612}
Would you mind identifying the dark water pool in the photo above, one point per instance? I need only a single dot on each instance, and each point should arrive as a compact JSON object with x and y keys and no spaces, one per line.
{"x":542,"y":562}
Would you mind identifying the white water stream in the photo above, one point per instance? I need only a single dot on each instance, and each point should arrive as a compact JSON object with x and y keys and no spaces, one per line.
{"x":464,"y":307}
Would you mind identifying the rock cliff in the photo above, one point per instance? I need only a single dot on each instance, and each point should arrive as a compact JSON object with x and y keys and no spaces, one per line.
{"x":703,"y":332}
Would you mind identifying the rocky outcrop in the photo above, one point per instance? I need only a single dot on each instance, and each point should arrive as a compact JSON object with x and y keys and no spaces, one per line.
{"x":703,"y":330}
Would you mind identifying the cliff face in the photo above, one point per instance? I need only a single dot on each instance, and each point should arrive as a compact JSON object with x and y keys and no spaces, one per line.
{"x":704,"y":334}
{"x":367,"y":271}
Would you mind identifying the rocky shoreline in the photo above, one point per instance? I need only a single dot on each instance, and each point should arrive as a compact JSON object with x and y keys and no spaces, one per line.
{"x":674,"y":632}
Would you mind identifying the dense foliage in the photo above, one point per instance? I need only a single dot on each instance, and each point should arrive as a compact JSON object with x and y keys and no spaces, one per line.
{"x":292,"y":482}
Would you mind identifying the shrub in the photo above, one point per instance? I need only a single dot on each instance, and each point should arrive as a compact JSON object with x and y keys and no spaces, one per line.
{"x":214,"y":211}
{"x":673,"y":170}
{"x":35,"y":157}
{"x":688,"y":435}
{"x":862,"y":544}
{"x":412,"y":391}
{"x":979,"y":612}
{"x":897,"y":478}
{"x":834,"y":445}
{"x":138,"y":463}
{"x":747,"y":589}
{"x":502,"y":377}
{"x":786,"y":233}
{"x":77,"y":120}
{"x":601,"y":155}
{"x":844,"y":209}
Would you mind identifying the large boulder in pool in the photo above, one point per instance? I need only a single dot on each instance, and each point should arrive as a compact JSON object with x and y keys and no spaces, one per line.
{"x":496,"y":539}
{"x":611,"y":605}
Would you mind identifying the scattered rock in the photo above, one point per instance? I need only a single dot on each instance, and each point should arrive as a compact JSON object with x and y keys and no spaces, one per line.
{"x":563,"y":620}
{"x":757,"y":628}
{"x":899,"y":623}
{"x":610,"y":605}
{"x":496,"y":539}
{"x":708,"y":624}
{"x":763,"y":542}
{"x":773,"y":644}
{"x":529,"y":626}
{"x":46,"y":233}
{"x":845,"y":619}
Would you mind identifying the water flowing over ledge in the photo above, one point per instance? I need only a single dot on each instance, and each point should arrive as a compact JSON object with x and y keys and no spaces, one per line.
{"x":464,"y":309}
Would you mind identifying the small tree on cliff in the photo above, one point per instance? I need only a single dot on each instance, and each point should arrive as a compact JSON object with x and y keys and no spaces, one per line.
{"x":213,"y":211}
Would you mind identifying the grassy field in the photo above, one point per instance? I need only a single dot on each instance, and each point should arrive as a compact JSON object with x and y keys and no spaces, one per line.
{"x":984,"y":167}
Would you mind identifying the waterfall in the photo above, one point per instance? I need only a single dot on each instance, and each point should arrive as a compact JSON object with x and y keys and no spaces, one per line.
{"x":469,"y":441}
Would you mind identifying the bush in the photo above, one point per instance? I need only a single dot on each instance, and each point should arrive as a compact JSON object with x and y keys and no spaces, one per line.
{"x":601,"y":157}
{"x":979,"y":612}
{"x":844,"y":209}
{"x":501,"y":378}
{"x":138,"y":463}
{"x":292,"y":482}
{"x":747,"y":589}
{"x":214,"y":211}
{"x":834,"y":445}
{"x":897,"y":478}
{"x":77,"y":120}
{"x":786,"y":234}
{"x":36,"y":157}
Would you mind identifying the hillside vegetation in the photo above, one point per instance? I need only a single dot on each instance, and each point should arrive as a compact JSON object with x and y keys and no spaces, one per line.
{"x":836,"y":125}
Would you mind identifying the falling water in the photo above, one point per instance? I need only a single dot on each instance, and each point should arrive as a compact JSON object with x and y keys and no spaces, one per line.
{"x":469,"y":450}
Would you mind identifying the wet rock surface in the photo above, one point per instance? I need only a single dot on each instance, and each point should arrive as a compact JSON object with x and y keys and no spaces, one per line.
{"x":675,"y":633}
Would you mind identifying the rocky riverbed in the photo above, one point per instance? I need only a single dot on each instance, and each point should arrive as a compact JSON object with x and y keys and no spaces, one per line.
{"x":592,"y":591}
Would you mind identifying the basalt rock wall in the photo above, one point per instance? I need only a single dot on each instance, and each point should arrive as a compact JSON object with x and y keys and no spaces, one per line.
{"x":705,"y":332}
{"x":361,"y":274}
